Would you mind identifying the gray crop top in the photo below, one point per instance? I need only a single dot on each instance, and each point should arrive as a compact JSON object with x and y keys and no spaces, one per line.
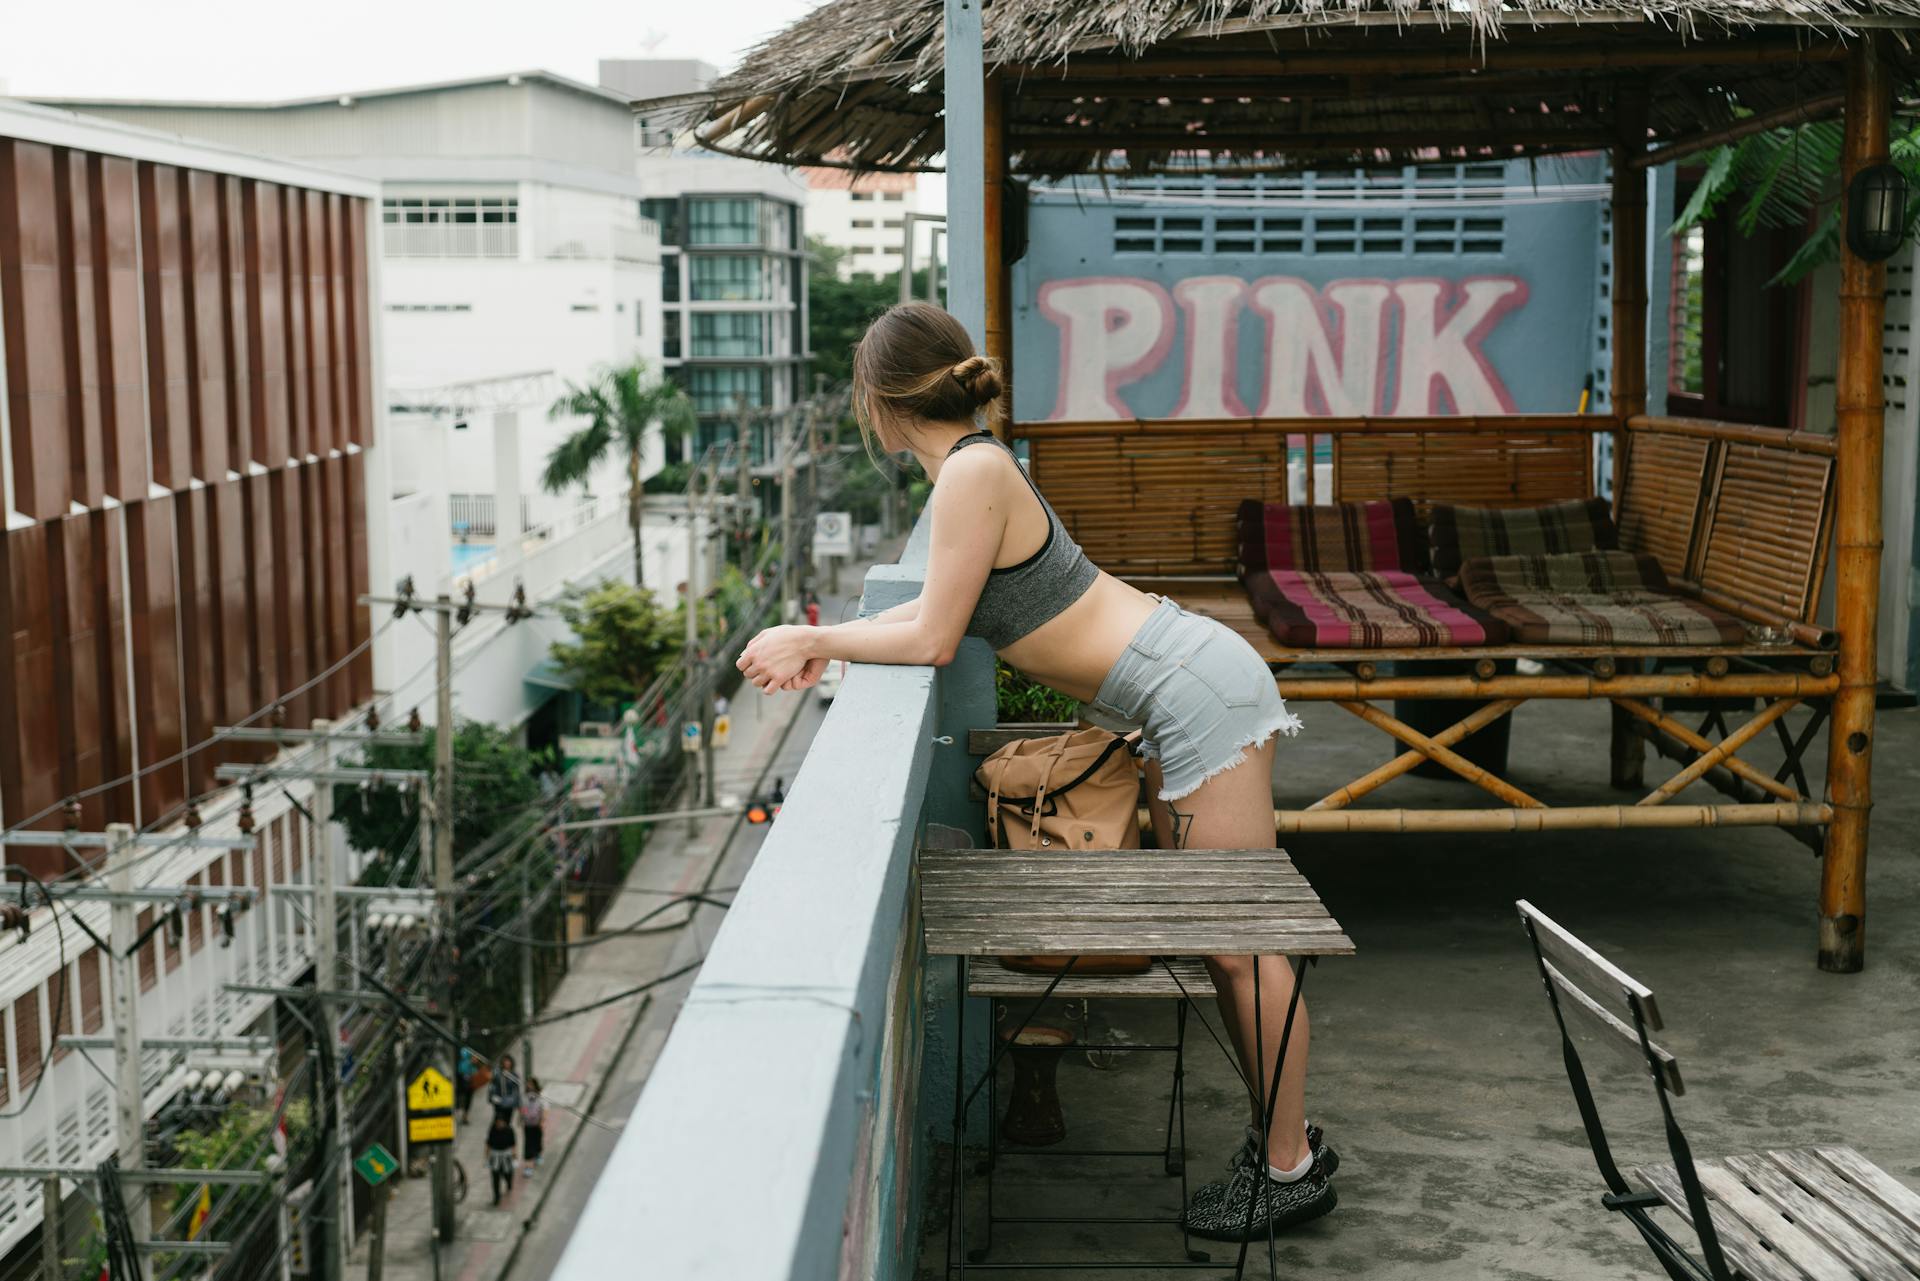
{"x":1017,"y":599}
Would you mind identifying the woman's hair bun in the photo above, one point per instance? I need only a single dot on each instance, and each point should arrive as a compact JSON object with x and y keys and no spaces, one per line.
{"x":981,"y":380}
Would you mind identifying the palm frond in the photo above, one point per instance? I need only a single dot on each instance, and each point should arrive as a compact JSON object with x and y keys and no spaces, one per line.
{"x":574,"y":458}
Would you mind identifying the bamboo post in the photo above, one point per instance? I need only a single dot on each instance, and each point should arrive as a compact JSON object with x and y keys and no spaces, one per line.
{"x":1628,"y":391}
{"x":999,"y":337}
{"x":1843,"y":876}
{"x":1441,"y":755}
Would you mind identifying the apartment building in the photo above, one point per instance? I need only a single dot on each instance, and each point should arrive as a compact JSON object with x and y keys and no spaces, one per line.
{"x":733,"y":258}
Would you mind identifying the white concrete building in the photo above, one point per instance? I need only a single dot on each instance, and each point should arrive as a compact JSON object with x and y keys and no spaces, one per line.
{"x":514,"y":261}
{"x":733,"y":257}
{"x":865,"y":214}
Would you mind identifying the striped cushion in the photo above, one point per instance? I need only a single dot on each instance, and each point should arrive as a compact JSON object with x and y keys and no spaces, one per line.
{"x":1370,"y":537}
{"x":1461,"y":534}
{"x":1366,"y":611}
{"x":1592,"y":598}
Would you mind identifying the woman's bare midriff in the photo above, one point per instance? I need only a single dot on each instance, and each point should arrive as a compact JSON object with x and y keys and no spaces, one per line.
{"x":1074,"y":650}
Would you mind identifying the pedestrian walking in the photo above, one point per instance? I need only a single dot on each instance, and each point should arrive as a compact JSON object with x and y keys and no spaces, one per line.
{"x":533,"y":1126}
{"x":504,"y":1092}
{"x":464,"y":1071}
{"x":500,"y":1155}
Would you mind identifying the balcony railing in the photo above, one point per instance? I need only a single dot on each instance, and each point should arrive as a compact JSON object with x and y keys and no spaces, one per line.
{"x":450,"y":240}
{"x":810,"y":1037}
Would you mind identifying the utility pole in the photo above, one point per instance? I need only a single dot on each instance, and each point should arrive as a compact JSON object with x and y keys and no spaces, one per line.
{"x":690,"y":607}
{"x":526,"y":962}
{"x":711,"y":667}
{"x":129,"y":1107}
{"x":326,"y":944}
{"x":787,"y":557}
{"x":443,"y":892}
{"x":743,"y":473}
{"x":50,"y":1226}
{"x":445,"y":611}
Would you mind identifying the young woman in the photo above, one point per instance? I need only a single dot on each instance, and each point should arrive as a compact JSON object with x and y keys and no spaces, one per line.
{"x":533,"y":1125}
{"x":500,"y":1155}
{"x":504,"y":1090}
{"x":1001,"y":567}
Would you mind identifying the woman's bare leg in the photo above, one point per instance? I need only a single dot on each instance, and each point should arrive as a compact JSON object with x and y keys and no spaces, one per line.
{"x":1234,"y":810}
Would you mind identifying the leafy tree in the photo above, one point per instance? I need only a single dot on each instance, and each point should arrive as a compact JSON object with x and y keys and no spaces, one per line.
{"x":620,"y":406}
{"x":493,"y":778}
{"x":1791,"y":178}
{"x":839,"y":311}
{"x":621,"y":637}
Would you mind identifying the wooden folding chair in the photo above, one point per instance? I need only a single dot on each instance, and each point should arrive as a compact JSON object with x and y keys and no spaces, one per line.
{"x":1803,"y":1214}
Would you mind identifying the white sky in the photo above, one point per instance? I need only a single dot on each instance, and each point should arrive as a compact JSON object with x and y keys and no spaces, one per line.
{"x":256,"y":49}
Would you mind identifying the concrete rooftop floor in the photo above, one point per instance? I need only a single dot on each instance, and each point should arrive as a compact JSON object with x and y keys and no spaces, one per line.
{"x":1436,"y":1067}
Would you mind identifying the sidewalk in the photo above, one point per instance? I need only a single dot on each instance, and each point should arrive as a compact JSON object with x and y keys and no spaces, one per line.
{"x":591,"y":1067}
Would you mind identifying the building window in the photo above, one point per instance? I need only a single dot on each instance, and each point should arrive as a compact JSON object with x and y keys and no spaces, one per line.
{"x":895,"y":196}
{"x":894,"y":223}
{"x":669,"y":277}
{"x":666,"y":212}
{"x":670,"y":335}
{"x":1732,"y":332}
{"x":639,"y":320}
{"x":861,"y":223}
{"x":728,"y":278}
{"x":729,"y":334}
{"x":860,"y":195}
{"x":719,"y":390}
{"x":453,"y":209}
{"x":723,"y":220}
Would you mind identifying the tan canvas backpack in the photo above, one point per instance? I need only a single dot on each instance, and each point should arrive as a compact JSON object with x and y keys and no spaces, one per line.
{"x":1074,"y":791}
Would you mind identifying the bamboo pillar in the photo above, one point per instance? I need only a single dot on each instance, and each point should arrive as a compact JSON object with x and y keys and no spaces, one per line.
{"x":1628,"y":390}
{"x":999,"y":337}
{"x":1860,"y":400}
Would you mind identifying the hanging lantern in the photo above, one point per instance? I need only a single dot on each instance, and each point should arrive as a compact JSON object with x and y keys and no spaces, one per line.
{"x":1876,"y":212}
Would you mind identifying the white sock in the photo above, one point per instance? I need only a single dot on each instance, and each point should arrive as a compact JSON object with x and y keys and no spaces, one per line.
{"x":1294,"y":1175}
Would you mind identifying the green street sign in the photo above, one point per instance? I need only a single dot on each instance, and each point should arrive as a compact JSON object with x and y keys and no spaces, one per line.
{"x":376,"y":1165}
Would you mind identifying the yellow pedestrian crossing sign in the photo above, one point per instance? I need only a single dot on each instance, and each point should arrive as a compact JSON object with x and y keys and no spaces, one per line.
{"x":430,"y":1109}
{"x":429,"y":1092}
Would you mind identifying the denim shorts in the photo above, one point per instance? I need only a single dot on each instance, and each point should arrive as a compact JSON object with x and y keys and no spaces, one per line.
{"x":1198,"y":692}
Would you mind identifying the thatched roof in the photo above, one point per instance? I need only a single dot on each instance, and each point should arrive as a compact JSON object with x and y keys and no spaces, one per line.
{"x":1143,"y":84}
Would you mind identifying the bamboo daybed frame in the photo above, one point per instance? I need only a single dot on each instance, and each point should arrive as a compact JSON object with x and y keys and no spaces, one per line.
{"x":1235,"y":86}
{"x":1154,"y":503}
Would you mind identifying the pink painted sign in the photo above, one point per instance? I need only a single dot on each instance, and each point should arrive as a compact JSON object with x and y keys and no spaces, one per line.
{"x":1281,"y":346}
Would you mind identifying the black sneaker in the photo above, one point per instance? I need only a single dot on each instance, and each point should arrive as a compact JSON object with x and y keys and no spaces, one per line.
{"x":1249,"y":1154}
{"x":1256,"y":1203}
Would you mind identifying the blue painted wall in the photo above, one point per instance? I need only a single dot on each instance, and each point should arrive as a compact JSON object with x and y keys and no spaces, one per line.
{"x":1436,"y":289}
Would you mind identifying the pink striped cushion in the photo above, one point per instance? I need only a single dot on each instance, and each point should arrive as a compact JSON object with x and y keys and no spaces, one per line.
{"x":1369,"y":537}
{"x":1390,"y":610}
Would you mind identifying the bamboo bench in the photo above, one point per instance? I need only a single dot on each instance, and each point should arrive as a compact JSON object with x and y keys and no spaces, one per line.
{"x":1737,"y":517}
{"x":1822,"y":1213}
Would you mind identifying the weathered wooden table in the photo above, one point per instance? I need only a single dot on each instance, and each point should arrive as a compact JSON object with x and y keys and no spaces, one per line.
{"x":1078,"y":903}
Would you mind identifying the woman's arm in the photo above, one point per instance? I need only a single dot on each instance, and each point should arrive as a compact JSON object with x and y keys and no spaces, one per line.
{"x":969,"y":519}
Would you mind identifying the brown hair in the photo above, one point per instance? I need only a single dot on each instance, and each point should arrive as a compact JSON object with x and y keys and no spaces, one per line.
{"x":917,"y":362}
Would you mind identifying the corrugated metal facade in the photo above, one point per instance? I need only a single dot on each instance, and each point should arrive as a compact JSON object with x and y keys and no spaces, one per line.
{"x":188,"y":381}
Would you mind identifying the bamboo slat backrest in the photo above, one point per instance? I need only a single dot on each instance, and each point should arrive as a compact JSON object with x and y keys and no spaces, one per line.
{"x":1158,"y":497}
{"x":1145,"y":503}
{"x":1742,"y":512}
{"x":1522,"y":469}
{"x":1658,"y":510}
{"x":1766,"y":528}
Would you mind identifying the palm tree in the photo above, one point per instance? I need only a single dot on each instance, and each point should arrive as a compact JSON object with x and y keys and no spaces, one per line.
{"x":621,"y":404}
{"x":1791,"y":178}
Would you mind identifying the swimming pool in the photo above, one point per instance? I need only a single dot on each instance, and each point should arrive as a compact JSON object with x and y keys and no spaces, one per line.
{"x":467,"y":555}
